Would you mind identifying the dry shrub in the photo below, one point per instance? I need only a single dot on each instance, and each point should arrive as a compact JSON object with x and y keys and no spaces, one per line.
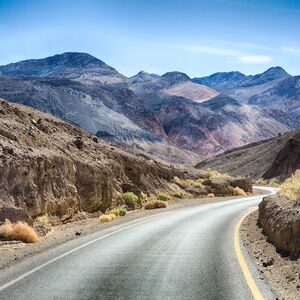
{"x":290,"y":188}
{"x":272,"y":182}
{"x":107,"y":218}
{"x":163,"y":196}
{"x":237,"y":191}
{"x":210,"y":195}
{"x":179,"y":194}
{"x":153,"y":204}
{"x":42,"y":221}
{"x":20,"y":231}
{"x":215,"y":174}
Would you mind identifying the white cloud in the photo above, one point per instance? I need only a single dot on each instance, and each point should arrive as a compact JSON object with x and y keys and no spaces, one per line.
{"x":255,"y":59}
{"x":212,"y":50}
{"x":291,"y":50}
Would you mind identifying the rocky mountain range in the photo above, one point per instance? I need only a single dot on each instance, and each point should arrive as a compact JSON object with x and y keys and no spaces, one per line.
{"x":172,"y":116}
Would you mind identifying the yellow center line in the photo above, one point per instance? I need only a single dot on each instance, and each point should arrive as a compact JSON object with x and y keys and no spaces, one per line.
{"x":243,"y":264}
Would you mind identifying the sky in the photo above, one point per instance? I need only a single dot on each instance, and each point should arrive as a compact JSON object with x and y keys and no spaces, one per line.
{"x":157,"y":36}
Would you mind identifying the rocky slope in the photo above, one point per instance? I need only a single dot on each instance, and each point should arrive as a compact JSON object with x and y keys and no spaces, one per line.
{"x":278,"y":157}
{"x":49,"y":166}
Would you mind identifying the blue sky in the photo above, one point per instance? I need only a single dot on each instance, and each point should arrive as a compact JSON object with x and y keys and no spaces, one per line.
{"x":195,"y":37}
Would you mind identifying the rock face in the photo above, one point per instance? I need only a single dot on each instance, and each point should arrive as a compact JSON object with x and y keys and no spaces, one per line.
{"x":280,"y":220}
{"x":46,"y":172}
{"x":274,"y":158}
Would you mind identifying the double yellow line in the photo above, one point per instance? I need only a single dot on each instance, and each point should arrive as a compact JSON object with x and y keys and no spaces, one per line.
{"x":248,"y":276}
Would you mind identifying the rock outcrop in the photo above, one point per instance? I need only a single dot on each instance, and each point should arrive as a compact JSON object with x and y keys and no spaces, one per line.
{"x":49,"y":166}
{"x":280,"y":220}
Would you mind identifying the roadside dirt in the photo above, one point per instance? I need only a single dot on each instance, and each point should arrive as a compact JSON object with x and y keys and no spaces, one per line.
{"x":282,"y":273}
{"x":14,"y":251}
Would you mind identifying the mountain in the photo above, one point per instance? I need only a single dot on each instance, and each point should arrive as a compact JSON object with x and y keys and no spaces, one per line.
{"x":168,"y":116}
{"x":171,"y":83}
{"x":81,"y":67}
{"x":278,"y":157}
{"x":222,"y":81}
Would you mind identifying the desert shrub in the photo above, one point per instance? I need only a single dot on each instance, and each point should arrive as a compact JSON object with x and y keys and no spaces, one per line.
{"x":42,"y":221}
{"x":163,"y":196}
{"x":179,"y":194}
{"x":153,"y":204}
{"x":273,"y":182}
{"x":107,"y":218}
{"x":20,"y":231}
{"x":210,"y":195}
{"x":130,"y":199}
{"x":143,"y":196}
{"x":118,"y":211}
{"x":211,"y":174}
{"x":182,"y":183}
{"x":237,"y":191}
{"x":199,"y":183}
{"x":290,"y":188}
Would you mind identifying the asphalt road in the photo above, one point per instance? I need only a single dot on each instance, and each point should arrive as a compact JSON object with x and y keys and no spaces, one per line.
{"x":185,"y":253}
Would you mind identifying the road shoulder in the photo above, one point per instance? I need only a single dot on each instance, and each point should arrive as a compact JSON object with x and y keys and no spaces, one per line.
{"x":281,"y":273}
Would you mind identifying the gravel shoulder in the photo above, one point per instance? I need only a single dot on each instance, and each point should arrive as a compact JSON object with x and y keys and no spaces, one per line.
{"x":282,"y":274}
{"x":13,"y":251}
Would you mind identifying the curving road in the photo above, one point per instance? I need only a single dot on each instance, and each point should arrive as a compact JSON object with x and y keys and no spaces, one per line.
{"x":184,"y":253}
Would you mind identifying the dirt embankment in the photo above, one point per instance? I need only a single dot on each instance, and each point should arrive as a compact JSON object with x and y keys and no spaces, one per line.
{"x":280,"y":271}
{"x":280,"y":220}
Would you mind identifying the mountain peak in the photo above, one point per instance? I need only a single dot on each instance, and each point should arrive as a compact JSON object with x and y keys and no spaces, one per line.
{"x":276,"y":71}
{"x":175,"y":77}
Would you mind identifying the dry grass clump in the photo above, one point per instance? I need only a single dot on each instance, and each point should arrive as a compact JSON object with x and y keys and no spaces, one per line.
{"x":211,"y":174}
{"x":153,"y":204}
{"x":179,"y":194}
{"x":272,"y":182}
{"x":210,"y":195}
{"x":20,"y":231}
{"x":237,"y":191}
{"x":182,"y":183}
{"x":163,"y":196}
{"x":290,"y":188}
{"x":107,"y":218}
{"x":42,"y":221}
{"x":118,"y":211}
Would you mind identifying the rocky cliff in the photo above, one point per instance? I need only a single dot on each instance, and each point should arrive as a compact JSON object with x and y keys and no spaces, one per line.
{"x":280,"y":220}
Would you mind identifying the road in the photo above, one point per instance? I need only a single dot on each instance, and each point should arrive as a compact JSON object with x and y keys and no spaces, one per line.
{"x":184,"y":253}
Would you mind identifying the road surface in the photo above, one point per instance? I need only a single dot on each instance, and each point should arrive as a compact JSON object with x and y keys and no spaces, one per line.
{"x":184,"y":253}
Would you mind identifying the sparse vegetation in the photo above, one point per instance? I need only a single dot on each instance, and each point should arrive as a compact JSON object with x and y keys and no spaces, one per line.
{"x":118,"y":211}
{"x":179,"y":194}
{"x":210,"y":195}
{"x":215,"y":174}
{"x":290,"y":188}
{"x":153,"y":204}
{"x":272,"y":182}
{"x":20,"y":231}
{"x":130,"y":199}
{"x":237,"y":191}
{"x":163,"y":196}
{"x":42,"y":221}
{"x":107,"y":217}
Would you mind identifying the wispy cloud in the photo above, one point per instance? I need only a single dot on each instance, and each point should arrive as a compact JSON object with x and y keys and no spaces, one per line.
{"x":292,"y":50}
{"x":212,"y":50}
{"x":255,"y":59}
{"x":238,"y":56}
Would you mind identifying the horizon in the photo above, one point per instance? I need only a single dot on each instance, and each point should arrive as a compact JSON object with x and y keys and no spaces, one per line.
{"x":193,"y":37}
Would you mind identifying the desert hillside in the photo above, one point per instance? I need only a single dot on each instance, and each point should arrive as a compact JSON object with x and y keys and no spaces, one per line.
{"x":274,"y":158}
